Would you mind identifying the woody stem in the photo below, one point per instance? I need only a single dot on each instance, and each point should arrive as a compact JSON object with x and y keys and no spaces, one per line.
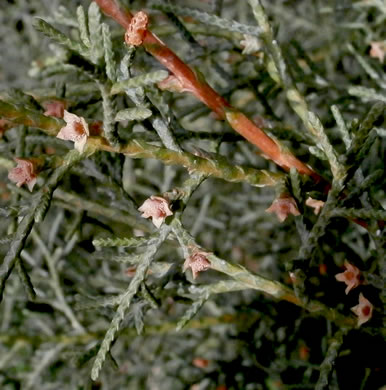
{"x":202,"y":91}
{"x":243,"y":279}
{"x":216,"y":165}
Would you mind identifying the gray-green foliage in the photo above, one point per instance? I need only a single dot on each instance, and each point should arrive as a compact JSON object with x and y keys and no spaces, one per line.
{"x":83,"y":27}
{"x":111,"y":66}
{"x":132,"y":114}
{"x":97,"y":46}
{"x":51,"y":32}
{"x":206,"y":18}
{"x":88,"y":285}
{"x":139,"y":81}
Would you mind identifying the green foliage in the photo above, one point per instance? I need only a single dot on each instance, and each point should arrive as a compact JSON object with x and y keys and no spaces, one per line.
{"x":328,"y":362}
{"x":95,"y":29}
{"x":123,"y":241}
{"x":193,"y":310}
{"x":368,"y":94}
{"x":109,"y":129}
{"x":111,"y":66}
{"x":61,"y":38}
{"x":125,"y":302}
{"x":133,"y":114}
{"x":101,"y":296}
{"x":83,"y":28}
{"x":207,"y":19}
{"x":139,"y":81}
{"x":15,"y":249}
{"x":341,"y":126}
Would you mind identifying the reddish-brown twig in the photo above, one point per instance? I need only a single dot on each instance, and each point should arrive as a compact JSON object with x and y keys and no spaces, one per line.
{"x":202,"y":91}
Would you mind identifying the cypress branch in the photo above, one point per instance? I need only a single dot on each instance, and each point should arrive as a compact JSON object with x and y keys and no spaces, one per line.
{"x":125,"y":303}
{"x":139,"y":81}
{"x":83,"y":28}
{"x":131,"y":242}
{"x":133,"y":114}
{"x":193,"y":310}
{"x":59,"y":37}
{"x":346,"y":137}
{"x":208,"y":19}
{"x":328,"y":362}
{"x":367,"y":94}
{"x":95,"y":29}
{"x":110,"y":63}
{"x":35,"y":214}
